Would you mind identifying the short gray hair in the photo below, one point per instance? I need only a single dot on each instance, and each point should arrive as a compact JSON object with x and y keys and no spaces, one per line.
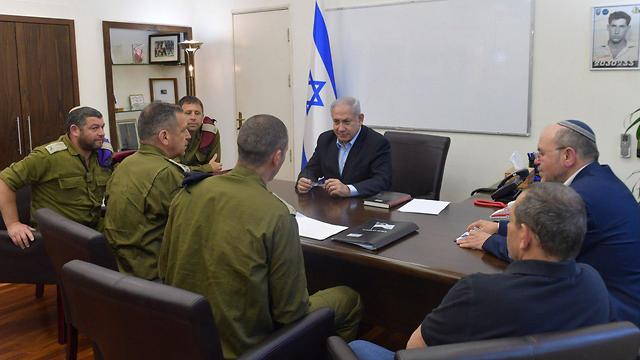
{"x":585,"y":148}
{"x":259,"y":137}
{"x":557,"y":215}
{"x":78,"y":116}
{"x":353,"y":103}
{"x":155,"y":117}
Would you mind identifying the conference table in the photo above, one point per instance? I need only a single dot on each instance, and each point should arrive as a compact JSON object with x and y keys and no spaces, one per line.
{"x":401,"y":283}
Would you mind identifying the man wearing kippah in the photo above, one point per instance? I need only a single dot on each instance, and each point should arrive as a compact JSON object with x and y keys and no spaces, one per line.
{"x":568,"y":154}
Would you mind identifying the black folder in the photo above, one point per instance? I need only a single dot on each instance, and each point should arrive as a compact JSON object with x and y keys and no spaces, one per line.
{"x":375,"y":234}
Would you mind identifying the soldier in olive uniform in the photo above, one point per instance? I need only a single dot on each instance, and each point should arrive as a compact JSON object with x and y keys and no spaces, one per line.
{"x":65,"y":176}
{"x":246,"y":258}
{"x":203,"y":151}
{"x":141,"y":189}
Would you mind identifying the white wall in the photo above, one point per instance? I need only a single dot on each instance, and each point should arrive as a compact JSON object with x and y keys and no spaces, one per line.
{"x":562,"y":87}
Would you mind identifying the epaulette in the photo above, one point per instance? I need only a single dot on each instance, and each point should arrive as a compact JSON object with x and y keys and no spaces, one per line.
{"x":194,"y":177}
{"x":185,"y":169}
{"x":291,"y":209}
{"x":209,"y":133}
{"x":55,"y":147}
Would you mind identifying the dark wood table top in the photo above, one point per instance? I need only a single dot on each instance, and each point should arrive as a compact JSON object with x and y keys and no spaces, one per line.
{"x":430,"y":253}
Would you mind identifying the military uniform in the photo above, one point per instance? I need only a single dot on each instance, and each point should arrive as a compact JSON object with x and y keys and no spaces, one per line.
{"x":61,"y":181}
{"x":138,"y":198}
{"x":236,"y":243}
{"x":204,"y":143}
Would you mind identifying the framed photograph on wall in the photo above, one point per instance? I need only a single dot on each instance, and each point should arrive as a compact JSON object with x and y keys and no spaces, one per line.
{"x":616,"y":30}
{"x":128,"y":134}
{"x":137,"y":101}
{"x":163,"y":49}
{"x":164,"y":90}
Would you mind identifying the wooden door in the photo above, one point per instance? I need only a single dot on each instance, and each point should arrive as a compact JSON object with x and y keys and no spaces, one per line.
{"x":46,"y":66}
{"x":11,"y":148}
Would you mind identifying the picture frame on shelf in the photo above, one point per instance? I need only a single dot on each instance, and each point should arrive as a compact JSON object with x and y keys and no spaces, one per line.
{"x":137,"y":101}
{"x":163,"y":49}
{"x":137,"y":53}
{"x":128,"y":134}
{"x":164,"y":90}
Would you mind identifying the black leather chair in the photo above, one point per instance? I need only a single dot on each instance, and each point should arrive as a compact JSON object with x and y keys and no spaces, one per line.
{"x":418,"y":163}
{"x":67,"y":240}
{"x":132,"y":318}
{"x":612,"y":341}
{"x":24,"y":266}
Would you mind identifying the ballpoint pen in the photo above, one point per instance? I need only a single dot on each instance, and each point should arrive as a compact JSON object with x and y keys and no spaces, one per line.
{"x":319,"y":182}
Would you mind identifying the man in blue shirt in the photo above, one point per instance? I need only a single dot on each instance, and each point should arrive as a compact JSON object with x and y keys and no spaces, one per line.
{"x":350,"y":160}
{"x":568,"y":154}
{"x":542,"y":290}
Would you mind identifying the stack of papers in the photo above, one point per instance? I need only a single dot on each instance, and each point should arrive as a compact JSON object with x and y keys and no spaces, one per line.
{"x":421,"y":206}
{"x":316,"y":229}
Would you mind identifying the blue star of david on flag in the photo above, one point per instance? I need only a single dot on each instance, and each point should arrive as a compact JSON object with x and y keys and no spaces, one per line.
{"x":316,"y":87}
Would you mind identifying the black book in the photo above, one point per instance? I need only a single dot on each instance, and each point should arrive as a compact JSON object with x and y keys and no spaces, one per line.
{"x":375,"y":234}
{"x":387,"y":199}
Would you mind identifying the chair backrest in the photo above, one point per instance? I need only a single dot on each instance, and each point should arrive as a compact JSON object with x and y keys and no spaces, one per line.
{"x":132,"y":318}
{"x":67,"y":240}
{"x":418,"y":163}
{"x":23,"y":203}
{"x":612,"y":341}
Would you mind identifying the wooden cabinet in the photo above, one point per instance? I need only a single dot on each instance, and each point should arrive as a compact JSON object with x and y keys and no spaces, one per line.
{"x":38,"y":74}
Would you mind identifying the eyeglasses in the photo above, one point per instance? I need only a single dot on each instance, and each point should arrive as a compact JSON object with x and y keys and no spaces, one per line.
{"x":537,"y":154}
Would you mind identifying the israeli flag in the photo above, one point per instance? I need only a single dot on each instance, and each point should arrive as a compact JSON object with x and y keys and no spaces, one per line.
{"x":322,"y":87}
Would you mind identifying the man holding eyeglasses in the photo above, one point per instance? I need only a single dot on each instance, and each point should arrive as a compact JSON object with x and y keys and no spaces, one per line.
{"x":568,"y":154}
{"x":350,"y":160}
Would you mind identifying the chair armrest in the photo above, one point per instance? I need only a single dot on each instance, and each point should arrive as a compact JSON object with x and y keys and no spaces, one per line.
{"x":25,"y":266}
{"x":339,"y":350}
{"x":303,"y":339}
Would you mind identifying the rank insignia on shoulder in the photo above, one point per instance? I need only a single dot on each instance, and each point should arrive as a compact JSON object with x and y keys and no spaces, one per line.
{"x":55,"y":147}
{"x":291,"y":209}
{"x":185,"y":169}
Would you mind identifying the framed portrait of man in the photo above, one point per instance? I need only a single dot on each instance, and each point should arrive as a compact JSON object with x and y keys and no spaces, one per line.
{"x":616,"y":30}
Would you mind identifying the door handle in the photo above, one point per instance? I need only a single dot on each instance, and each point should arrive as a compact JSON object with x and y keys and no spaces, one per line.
{"x":239,"y":121}
{"x":19,"y":136}
{"x":30,"y":140}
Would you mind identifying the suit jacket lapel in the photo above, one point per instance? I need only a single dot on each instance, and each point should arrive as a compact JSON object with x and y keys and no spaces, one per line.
{"x":353,"y":153}
{"x":333,"y":157}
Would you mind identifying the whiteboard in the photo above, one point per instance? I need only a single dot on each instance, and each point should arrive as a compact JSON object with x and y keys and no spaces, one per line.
{"x":444,"y":65}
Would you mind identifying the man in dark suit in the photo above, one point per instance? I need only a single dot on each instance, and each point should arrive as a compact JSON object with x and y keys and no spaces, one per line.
{"x":567,"y":153}
{"x":351,"y":159}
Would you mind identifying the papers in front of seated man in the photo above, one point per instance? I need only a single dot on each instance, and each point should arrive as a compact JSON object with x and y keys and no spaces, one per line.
{"x":316,"y":229}
{"x":421,"y":206}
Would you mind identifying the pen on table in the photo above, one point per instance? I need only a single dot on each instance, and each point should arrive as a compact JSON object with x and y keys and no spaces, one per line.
{"x":319,"y":182}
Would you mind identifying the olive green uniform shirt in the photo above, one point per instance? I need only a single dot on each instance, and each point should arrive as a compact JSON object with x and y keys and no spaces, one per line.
{"x":196,"y":159}
{"x":233,"y":241}
{"x":61,"y":181}
{"x":138,"y":197}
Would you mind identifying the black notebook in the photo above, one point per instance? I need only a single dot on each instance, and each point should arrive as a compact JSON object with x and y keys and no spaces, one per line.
{"x":375,"y":234}
{"x":387,"y":199}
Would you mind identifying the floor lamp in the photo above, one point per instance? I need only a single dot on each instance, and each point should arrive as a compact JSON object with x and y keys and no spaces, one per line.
{"x":190,"y":47}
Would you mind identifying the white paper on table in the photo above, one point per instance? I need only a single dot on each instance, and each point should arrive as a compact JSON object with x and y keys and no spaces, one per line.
{"x":422,"y":206}
{"x":316,"y":229}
